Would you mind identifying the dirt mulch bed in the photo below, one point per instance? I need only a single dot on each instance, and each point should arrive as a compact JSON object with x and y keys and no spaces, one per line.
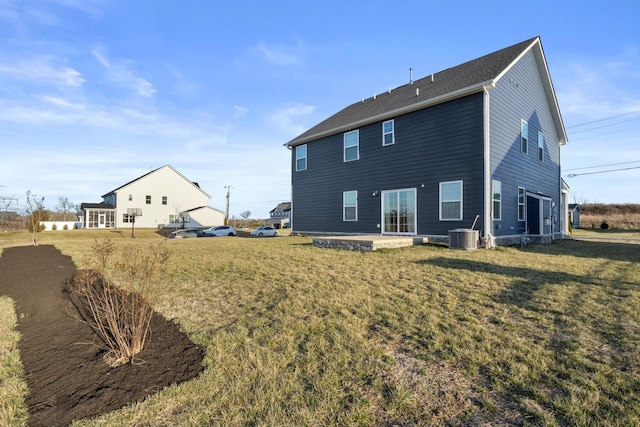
{"x":65,"y":372}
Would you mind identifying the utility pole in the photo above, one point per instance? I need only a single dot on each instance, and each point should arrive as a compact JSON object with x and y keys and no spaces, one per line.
{"x":226,"y":219}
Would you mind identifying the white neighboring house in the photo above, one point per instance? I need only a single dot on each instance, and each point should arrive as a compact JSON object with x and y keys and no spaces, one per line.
{"x":164,"y":196}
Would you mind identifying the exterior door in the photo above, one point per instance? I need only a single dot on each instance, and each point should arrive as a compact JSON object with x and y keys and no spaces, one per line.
{"x":399,"y":211}
{"x":101,"y":221}
{"x":539,"y":215}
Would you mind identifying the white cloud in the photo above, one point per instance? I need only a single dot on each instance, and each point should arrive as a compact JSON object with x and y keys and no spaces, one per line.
{"x":288,"y":119}
{"x":41,"y":69}
{"x":21,"y":14}
{"x":239,"y":112}
{"x":121,"y":73}
{"x":279,"y":55}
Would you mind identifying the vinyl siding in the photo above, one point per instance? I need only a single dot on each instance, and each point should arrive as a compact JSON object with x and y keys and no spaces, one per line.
{"x":440,"y":143}
{"x":520,"y":94}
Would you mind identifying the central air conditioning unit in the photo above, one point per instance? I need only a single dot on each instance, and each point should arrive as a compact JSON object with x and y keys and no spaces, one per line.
{"x":463,"y":238}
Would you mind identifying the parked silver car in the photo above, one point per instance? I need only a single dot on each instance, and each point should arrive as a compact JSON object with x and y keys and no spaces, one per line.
{"x":265,"y":230}
{"x":183,"y":234}
{"x":219,"y":230}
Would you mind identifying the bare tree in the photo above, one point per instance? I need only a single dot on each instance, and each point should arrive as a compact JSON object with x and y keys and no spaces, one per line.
{"x":65,"y":206}
{"x":36,"y":213}
{"x":245,"y":214}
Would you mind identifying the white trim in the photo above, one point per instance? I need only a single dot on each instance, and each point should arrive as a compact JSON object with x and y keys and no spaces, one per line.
{"x":487,"y":164}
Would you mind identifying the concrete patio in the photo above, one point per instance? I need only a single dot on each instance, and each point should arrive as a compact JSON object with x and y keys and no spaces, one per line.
{"x":368,"y":242}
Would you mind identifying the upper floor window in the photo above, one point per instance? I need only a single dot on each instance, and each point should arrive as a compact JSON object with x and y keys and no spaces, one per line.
{"x":451,"y":201}
{"x":540,"y":146}
{"x":148,"y":200}
{"x":351,"y":145}
{"x":524,"y":136}
{"x":164,"y":200}
{"x":388,"y":137}
{"x":350,"y":206}
{"x":521,"y":200}
{"x":301,"y":157}
{"x":130,"y":197}
{"x":496,"y":191}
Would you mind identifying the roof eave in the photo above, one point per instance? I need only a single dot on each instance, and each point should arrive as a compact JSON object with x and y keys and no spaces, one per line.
{"x":478,"y":87}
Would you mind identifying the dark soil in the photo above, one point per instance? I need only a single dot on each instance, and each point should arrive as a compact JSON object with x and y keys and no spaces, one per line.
{"x":64,"y":369}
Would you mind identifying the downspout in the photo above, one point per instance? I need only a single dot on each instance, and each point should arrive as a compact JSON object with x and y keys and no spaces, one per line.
{"x":487,"y":236}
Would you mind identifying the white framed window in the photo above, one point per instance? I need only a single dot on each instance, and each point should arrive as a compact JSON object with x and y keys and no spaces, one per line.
{"x":451,"y":201}
{"x":148,"y":200}
{"x":301,"y":157}
{"x":524,"y":136}
{"x":164,"y":200}
{"x":540,"y":146}
{"x":388,"y":135}
{"x":130,"y":197}
{"x":352,"y":145}
{"x":496,"y":191}
{"x":350,"y":206}
{"x":521,"y":206}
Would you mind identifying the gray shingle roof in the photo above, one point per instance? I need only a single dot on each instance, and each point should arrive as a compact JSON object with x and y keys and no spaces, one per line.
{"x":418,"y":93}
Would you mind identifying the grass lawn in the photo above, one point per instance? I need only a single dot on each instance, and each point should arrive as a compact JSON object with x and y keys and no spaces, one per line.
{"x":301,"y":336}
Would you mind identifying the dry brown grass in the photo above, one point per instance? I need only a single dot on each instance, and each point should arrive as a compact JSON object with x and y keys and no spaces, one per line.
{"x":300,"y":336}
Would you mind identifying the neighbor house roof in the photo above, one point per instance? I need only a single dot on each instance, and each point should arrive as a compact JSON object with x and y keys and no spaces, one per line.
{"x":202,"y":207}
{"x":284,"y":206}
{"x":96,"y":206}
{"x":462,"y":80}
{"x":195,"y":184}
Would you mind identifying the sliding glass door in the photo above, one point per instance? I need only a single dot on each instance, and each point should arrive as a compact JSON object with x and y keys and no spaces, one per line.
{"x":399,"y":211}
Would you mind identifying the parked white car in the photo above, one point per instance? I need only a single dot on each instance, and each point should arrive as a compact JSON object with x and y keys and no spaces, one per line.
{"x":265,"y":230}
{"x":219,"y":230}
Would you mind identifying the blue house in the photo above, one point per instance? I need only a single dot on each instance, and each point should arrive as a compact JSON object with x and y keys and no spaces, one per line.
{"x":473,"y":145}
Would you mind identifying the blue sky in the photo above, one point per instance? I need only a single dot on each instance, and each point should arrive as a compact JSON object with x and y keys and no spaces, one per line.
{"x":94,"y":93}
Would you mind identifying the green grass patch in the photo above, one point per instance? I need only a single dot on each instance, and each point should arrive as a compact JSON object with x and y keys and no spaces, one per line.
{"x":296,"y":335}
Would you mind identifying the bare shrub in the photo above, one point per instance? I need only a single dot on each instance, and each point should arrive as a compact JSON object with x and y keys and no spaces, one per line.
{"x":115,"y":296}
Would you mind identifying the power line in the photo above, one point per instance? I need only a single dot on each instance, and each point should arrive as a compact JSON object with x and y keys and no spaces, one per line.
{"x":603,"y":120}
{"x":571,"y":175}
{"x":606,"y":125}
{"x":602,"y":166}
